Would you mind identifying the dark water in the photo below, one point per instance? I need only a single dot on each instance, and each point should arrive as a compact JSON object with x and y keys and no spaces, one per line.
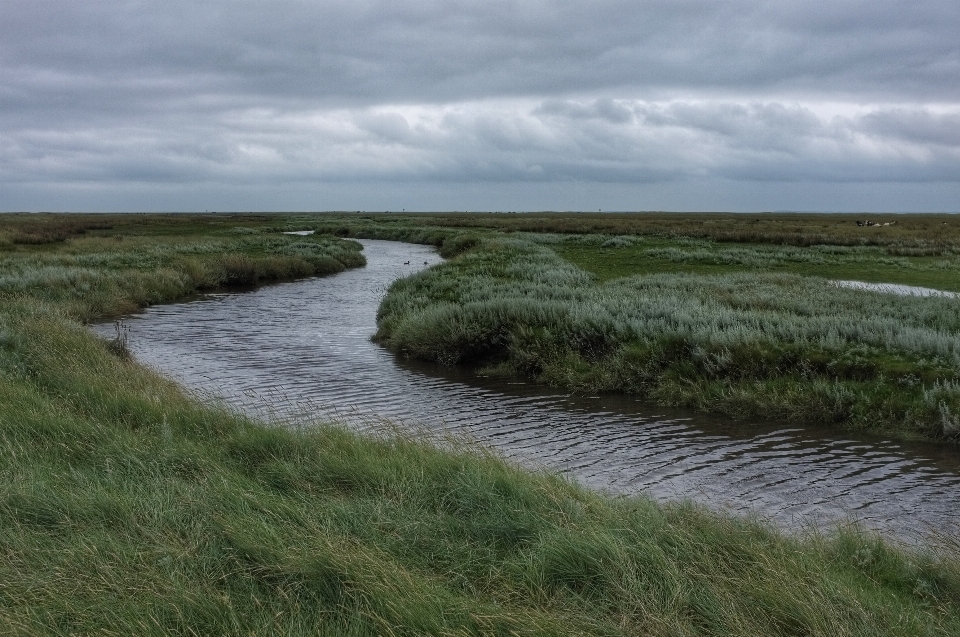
{"x":300,"y":350}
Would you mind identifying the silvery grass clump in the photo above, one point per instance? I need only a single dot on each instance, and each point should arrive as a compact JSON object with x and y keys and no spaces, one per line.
{"x":109,"y":276}
{"x":765,"y":256}
{"x":622,"y":241}
{"x":742,"y":343}
{"x":738,"y":256}
{"x":942,"y":398}
{"x":592,"y":239}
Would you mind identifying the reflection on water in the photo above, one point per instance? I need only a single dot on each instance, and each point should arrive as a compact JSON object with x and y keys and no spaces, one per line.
{"x":305,"y":347}
{"x":894,"y":288}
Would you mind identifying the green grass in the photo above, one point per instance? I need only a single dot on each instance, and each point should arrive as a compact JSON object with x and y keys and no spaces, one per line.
{"x":116,"y":270}
{"x":128,"y":506}
{"x":911,"y":233}
{"x":862,"y":263}
{"x":744,"y":341}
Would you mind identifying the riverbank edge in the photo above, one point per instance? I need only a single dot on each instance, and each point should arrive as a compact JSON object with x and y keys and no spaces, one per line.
{"x":891,"y":403}
{"x":129,"y":506}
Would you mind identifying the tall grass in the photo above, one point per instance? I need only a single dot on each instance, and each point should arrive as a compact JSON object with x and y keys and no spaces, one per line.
{"x":126,"y":507}
{"x":104,"y":276}
{"x":745,"y":344}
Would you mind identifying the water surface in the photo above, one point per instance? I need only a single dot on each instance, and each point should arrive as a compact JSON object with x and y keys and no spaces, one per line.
{"x":894,"y":288}
{"x":304,"y":348}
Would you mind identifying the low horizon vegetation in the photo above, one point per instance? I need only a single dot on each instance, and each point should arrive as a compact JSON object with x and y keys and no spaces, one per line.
{"x":907,"y":234}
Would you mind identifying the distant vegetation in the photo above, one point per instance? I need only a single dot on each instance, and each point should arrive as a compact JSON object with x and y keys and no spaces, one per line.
{"x":128,"y":506}
{"x":626,"y":256}
{"x":916,"y":234}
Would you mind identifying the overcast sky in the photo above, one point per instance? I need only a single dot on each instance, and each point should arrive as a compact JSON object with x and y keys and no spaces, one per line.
{"x":480,"y":105}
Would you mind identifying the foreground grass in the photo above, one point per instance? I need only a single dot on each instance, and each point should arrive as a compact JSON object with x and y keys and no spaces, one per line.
{"x":130,"y":507}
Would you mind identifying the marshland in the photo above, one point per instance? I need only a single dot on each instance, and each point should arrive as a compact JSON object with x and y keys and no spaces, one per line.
{"x":131,"y":504}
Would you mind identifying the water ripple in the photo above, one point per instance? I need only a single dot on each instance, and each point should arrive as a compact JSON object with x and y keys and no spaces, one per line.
{"x":303,"y":349}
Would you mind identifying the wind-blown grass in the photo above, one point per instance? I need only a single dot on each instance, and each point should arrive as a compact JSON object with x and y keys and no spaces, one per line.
{"x":100,"y":276}
{"x":746,"y":344}
{"x":128,"y":506}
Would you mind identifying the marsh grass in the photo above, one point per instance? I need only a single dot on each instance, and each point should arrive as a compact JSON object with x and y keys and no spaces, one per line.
{"x":98,"y":276}
{"x":739,"y":343}
{"x":44,"y":229}
{"x":864,"y":263}
{"x":917,"y":234}
{"x":128,"y":506}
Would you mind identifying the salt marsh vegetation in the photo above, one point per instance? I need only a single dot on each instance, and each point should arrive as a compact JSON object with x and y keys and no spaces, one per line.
{"x":744,"y":343}
{"x":105,"y":275}
{"x":129,"y":506}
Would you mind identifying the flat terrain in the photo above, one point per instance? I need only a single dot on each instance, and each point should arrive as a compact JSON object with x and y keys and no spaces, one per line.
{"x":127,"y":506}
{"x":683,"y":315}
{"x":862,"y":263}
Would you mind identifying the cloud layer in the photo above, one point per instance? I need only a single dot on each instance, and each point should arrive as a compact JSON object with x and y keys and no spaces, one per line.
{"x":127,"y":97}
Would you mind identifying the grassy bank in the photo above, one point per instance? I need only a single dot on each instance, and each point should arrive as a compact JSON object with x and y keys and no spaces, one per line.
{"x":719,"y":329}
{"x":129,"y":507}
{"x":101,"y":265}
{"x":617,"y":257}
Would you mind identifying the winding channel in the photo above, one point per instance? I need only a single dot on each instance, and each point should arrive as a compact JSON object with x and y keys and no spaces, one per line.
{"x":302,"y":350}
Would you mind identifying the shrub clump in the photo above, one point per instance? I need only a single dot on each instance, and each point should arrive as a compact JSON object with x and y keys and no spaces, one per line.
{"x":744,"y":344}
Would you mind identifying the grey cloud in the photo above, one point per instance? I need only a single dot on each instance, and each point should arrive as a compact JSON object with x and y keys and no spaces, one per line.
{"x":502,"y":141}
{"x":431,"y":51}
{"x":391,"y":127}
{"x":554,"y":91}
{"x":608,"y":109}
{"x":769,"y":125}
{"x":915,"y":125}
